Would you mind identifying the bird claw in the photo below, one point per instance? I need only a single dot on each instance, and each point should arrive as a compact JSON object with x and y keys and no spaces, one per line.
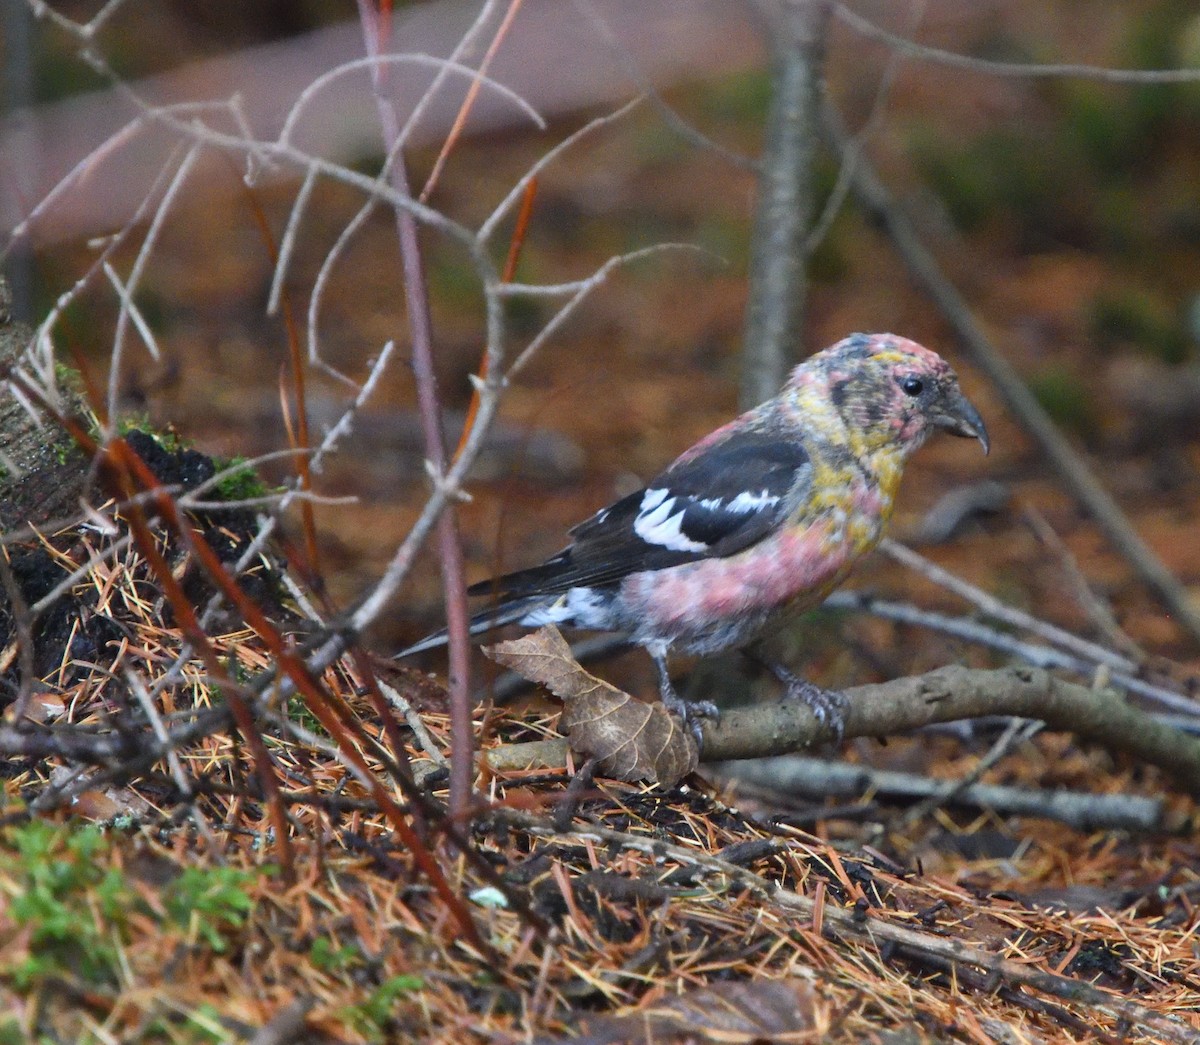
{"x":829,"y":706}
{"x":692,"y":712}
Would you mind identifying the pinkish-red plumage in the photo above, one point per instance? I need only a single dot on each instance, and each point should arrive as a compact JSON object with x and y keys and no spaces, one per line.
{"x":763,"y":516}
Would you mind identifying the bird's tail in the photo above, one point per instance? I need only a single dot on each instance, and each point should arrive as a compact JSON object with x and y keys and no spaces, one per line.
{"x":508,"y":612}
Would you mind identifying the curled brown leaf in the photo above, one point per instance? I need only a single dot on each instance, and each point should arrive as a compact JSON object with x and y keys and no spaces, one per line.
{"x":630,"y":739}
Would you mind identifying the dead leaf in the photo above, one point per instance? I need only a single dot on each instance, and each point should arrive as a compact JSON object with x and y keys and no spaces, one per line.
{"x":630,"y":739}
{"x":44,"y":705}
{"x":729,"y":1013}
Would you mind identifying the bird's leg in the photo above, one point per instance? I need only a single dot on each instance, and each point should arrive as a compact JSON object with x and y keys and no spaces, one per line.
{"x":690,"y":711}
{"x":828,"y":706}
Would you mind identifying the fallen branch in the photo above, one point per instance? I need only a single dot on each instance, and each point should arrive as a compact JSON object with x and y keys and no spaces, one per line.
{"x":905,"y":704}
{"x":818,"y":778}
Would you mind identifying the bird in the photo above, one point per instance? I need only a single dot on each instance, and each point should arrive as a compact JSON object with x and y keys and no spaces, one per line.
{"x":757,"y":521}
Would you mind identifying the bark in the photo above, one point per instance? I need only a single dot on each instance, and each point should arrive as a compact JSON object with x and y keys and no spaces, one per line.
{"x":944,"y":695}
{"x":42,"y":472}
{"x":778,"y":284}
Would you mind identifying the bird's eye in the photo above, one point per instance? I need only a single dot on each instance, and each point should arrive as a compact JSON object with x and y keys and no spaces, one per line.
{"x":912,"y":386}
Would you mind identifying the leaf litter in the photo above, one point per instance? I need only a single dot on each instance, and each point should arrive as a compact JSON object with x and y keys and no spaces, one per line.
{"x":655,"y":912}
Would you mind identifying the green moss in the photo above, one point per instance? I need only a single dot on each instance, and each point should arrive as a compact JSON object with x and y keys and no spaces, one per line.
{"x":742,"y":99}
{"x":209,"y":902}
{"x":168,"y":438}
{"x":299,"y":713}
{"x":68,"y":378}
{"x":329,"y":957}
{"x":1025,"y":177}
{"x":374,"y":1016}
{"x":1132,"y":317}
{"x":241,"y":484}
{"x":75,"y":905}
{"x":1065,"y":398}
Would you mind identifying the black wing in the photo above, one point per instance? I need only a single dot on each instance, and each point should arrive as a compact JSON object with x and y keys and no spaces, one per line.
{"x":712,"y":502}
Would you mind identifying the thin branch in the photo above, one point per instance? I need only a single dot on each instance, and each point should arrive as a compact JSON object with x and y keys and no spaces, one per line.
{"x":421,"y":331}
{"x":517,"y":192}
{"x":874,"y":121}
{"x":1099,"y":612}
{"x":987,"y":67}
{"x":125,"y":296}
{"x":460,"y":118}
{"x":86,"y":31}
{"x":819,"y":778}
{"x":645,"y":87}
{"x":174,"y":765}
{"x":579,"y":291}
{"x":135,"y":275}
{"x":423,"y":737}
{"x":288,"y":241}
{"x":955,"y":693}
{"x":375,"y":61}
{"x":1001,"y":611}
{"x":970,"y":630}
{"x":1016,"y":732}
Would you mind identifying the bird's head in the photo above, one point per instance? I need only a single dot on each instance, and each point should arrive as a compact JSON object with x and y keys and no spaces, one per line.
{"x":890,"y":393}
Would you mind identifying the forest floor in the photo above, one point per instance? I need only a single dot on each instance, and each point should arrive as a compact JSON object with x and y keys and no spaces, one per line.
{"x":726,"y":913}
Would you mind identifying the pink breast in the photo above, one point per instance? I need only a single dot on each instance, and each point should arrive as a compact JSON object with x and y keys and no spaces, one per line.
{"x":773,"y":573}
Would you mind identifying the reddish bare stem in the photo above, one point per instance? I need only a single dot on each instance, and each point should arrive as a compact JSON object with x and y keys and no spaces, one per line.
{"x":421,"y":330}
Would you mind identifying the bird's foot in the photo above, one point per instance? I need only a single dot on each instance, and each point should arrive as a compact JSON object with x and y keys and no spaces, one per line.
{"x":829,"y":706}
{"x":692,"y":712}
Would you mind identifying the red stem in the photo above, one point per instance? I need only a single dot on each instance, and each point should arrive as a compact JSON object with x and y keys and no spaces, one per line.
{"x":375,"y":27}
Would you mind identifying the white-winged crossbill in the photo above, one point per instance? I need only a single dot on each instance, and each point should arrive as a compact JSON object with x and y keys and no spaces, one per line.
{"x":763,"y":517}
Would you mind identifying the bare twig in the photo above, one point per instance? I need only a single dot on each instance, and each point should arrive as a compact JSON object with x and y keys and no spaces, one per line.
{"x":970,"y":630}
{"x":138,"y":688}
{"x":424,"y":740}
{"x":1016,"y":732}
{"x":460,"y":119}
{"x":671,"y":118}
{"x":849,"y":158}
{"x":1096,"y":608}
{"x":421,"y":331}
{"x":819,"y":778}
{"x":988,"y":67}
{"x":1001,"y":611}
{"x":135,"y":275}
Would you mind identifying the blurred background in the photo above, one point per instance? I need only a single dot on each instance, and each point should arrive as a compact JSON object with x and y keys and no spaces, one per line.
{"x":1065,"y":209}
